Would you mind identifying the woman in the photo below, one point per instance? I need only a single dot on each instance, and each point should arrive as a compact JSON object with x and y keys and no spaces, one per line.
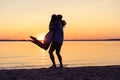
{"x":49,"y":36}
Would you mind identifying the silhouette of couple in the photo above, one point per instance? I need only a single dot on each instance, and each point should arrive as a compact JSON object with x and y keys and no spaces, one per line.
{"x":54,"y":38}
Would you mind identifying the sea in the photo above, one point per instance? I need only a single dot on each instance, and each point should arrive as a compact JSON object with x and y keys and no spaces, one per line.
{"x":27,"y":55}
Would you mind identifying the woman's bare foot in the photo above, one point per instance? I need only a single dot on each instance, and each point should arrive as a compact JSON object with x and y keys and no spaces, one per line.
{"x":34,"y":38}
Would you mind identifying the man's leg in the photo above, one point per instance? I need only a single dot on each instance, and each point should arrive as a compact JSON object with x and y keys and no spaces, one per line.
{"x":52,"y":48}
{"x":58,"y":48}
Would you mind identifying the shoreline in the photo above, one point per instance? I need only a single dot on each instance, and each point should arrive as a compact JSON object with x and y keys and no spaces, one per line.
{"x":68,"y":73}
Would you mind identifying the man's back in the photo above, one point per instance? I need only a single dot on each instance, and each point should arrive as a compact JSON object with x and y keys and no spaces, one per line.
{"x":59,"y":34}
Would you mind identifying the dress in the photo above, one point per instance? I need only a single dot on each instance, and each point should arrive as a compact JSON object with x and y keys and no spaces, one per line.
{"x":50,"y":35}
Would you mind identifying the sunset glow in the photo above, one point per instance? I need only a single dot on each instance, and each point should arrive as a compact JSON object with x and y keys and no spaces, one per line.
{"x":41,"y":36}
{"x":86,"y":19}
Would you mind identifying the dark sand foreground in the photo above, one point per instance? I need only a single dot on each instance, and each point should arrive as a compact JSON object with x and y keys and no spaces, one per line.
{"x":76,"y":73}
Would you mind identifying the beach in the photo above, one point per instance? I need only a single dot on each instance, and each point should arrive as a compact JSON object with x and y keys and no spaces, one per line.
{"x":67,"y":73}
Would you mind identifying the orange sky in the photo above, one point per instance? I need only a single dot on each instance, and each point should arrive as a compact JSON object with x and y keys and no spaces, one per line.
{"x":86,"y":19}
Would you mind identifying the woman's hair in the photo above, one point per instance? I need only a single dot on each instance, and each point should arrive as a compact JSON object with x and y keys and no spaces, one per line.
{"x":53,"y":18}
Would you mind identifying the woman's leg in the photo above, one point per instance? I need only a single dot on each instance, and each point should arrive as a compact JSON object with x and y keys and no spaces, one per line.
{"x":37,"y":42}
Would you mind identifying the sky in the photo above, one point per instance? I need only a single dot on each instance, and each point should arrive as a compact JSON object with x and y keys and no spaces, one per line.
{"x":86,"y":19}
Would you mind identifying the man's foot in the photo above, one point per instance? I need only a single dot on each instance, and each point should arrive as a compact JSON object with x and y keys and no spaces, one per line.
{"x":52,"y":67}
{"x":61,"y":67}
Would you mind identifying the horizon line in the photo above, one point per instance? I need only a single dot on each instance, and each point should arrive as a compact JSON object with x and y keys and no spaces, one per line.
{"x":117,"y":39}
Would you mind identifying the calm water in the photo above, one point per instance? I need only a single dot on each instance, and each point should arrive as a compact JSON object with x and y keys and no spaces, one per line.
{"x":19,"y":55}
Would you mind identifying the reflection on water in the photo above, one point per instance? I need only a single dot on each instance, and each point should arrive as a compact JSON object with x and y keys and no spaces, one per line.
{"x":43,"y":57}
{"x":79,"y":53}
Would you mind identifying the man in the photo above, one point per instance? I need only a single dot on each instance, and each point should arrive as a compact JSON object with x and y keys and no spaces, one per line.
{"x":57,"y":41}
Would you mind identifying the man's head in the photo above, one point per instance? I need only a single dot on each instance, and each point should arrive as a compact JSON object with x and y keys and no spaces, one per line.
{"x":59,"y":17}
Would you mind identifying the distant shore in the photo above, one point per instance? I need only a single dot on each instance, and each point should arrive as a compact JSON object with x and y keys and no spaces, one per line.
{"x":68,"y":73}
{"x":70,"y":40}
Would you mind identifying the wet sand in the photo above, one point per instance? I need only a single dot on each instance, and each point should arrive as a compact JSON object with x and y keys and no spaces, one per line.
{"x":68,"y":73}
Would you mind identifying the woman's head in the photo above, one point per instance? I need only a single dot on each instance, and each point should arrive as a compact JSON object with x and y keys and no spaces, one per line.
{"x":53,"y":17}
